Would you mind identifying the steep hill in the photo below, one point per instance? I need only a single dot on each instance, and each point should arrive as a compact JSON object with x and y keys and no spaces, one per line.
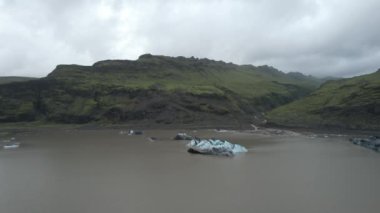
{"x":157,"y":89}
{"x":347,"y":103}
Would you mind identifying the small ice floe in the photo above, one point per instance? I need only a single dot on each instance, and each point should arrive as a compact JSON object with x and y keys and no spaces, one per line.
{"x":11,"y":146}
{"x":10,"y":143}
{"x":183,"y":136}
{"x":135,"y":132}
{"x":152,"y":139}
{"x":372,"y":142}
{"x":214,"y":147}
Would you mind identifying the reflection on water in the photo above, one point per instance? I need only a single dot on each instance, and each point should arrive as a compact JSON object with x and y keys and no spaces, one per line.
{"x":103,"y":171}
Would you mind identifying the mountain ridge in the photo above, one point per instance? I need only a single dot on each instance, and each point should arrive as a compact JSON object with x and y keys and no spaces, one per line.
{"x":158,"y":89}
{"x":11,"y":79}
{"x":352,"y":103}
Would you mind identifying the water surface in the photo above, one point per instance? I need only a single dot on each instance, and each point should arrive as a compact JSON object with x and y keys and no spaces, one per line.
{"x":101,"y":171}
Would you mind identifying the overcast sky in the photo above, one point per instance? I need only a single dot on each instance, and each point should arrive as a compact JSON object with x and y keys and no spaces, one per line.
{"x":318,"y":37}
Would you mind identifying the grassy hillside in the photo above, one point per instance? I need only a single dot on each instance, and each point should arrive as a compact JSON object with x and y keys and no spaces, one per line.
{"x":10,"y":79}
{"x":348,"y":103}
{"x":153,"y":88}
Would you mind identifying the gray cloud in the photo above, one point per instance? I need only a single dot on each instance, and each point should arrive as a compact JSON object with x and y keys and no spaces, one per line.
{"x":319,"y":37}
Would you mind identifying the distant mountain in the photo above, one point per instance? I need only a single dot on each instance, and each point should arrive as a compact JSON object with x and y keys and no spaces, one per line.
{"x":10,"y":79}
{"x":153,"y":89}
{"x":352,"y":103}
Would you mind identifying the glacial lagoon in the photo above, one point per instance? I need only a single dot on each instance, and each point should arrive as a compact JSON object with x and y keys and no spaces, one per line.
{"x":101,"y":171}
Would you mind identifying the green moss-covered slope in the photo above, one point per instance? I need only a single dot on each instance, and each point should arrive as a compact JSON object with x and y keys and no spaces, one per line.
{"x":348,"y":103}
{"x":157,"y":89}
{"x":10,"y":79}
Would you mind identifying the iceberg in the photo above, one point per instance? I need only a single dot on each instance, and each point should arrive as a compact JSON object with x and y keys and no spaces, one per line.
{"x":215,"y":147}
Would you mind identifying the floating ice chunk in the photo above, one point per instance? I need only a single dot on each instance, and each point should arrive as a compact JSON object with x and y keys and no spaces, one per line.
{"x":11,"y":146}
{"x":372,"y":142}
{"x":135,"y":132}
{"x":183,"y":136}
{"x":215,"y":147}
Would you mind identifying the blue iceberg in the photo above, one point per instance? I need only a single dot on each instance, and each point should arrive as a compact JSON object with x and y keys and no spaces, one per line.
{"x":215,"y":147}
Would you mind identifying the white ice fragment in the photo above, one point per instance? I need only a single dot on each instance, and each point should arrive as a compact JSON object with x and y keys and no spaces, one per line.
{"x":215,"y":147}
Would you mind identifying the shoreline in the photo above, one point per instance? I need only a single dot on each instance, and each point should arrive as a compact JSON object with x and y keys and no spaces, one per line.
{"x":15,"y":128}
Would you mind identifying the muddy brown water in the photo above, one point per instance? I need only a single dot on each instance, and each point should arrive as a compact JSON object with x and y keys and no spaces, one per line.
{"x":103,"y":171}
